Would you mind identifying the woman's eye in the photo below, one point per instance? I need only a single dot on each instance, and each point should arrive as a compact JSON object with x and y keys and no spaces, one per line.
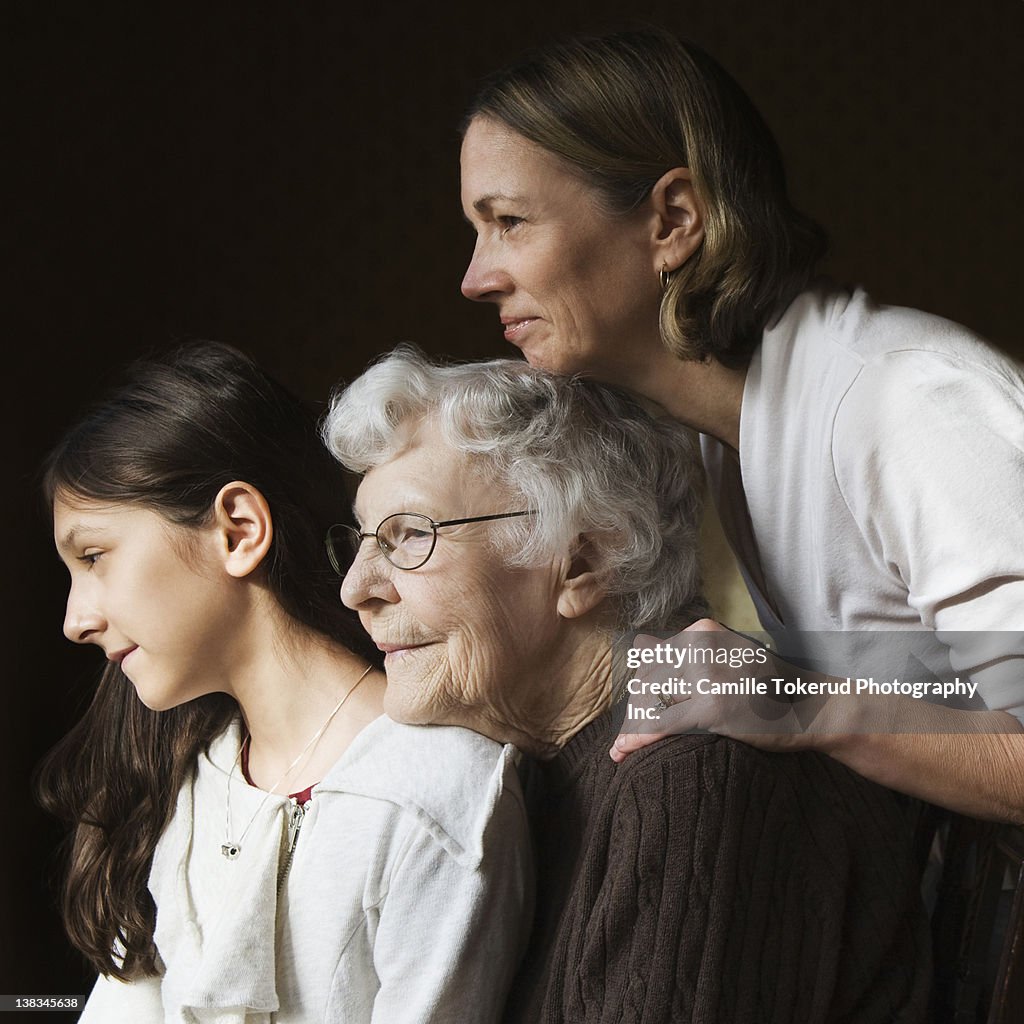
{"x":90,"y":557}
{"x":414,"y":538}
{"x":507,"y":223}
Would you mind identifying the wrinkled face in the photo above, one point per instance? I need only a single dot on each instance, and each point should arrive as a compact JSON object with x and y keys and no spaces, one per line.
{"x":133,"y":593}
{"x":576,"y":288}
{"x":463,"y":632}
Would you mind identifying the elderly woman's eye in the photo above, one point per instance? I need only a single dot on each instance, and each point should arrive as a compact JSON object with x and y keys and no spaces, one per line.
{"x":411,"y":534}
{"x":413,"y":538}
{"x":507,"y":223}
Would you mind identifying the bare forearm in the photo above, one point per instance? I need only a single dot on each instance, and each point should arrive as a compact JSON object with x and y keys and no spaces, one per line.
{"x":968,"y":761}
{"x":972,"y":763}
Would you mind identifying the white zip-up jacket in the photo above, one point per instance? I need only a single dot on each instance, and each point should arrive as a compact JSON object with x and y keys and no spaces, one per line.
{"x":406,"y":898}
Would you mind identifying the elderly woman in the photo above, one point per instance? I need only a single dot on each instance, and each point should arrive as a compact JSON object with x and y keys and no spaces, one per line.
{"x":632,"y":222}
{"x":511,"y":522}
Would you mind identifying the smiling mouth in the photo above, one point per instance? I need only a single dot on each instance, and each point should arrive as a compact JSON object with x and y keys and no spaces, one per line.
{"x":390,"y":649}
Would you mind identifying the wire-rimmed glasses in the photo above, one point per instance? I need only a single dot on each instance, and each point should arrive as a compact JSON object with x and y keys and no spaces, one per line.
{"x":405,"y":539}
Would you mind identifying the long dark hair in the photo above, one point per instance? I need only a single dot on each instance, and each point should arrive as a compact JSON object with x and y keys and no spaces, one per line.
{"x":622,"y":109}
{"x":179,"y":428}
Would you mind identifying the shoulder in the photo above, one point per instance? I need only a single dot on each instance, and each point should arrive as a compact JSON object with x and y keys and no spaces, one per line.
{"x":911,"y":360}
{"x":704,"y":757}
{"x":670,"y":783}
{"x":740,"y":787}
{"x":910,"y":392}
{"x":827,"y":324}
{"x":422,"y":759}
{"x":916,"y":417}
{"x":456,"y":784}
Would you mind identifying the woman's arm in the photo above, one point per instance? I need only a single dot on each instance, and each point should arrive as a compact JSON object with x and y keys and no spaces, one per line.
{"x":968,"y":761}
{"x":973,"y":763}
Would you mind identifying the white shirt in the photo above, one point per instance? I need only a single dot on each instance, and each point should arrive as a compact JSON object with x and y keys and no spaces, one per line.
{"x":880,"y":482}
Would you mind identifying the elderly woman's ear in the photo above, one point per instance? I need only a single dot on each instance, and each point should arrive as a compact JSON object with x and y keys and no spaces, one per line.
{"x":582,"y":590}
{"x":679,"y":228}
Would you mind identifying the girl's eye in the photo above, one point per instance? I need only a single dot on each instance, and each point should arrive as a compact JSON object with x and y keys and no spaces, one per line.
{"x":507,"y":223}
{"x":90,"y":557}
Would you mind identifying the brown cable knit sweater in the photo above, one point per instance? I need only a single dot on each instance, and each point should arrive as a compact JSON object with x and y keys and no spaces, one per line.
{"x":706,"y":881}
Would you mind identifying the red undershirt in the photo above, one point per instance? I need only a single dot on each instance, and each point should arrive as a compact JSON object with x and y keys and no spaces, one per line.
{"x":302,"y":797}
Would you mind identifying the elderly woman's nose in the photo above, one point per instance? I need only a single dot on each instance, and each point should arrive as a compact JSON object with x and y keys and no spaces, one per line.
{"x":484,"y":280}
{"x":368,"y":579}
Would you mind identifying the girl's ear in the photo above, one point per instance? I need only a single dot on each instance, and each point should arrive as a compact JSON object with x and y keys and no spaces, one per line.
{"x":581,"y":589}
{"x":244,"y":527}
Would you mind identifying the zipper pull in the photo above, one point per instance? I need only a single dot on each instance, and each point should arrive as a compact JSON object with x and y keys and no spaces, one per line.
{"x":295,"y":823}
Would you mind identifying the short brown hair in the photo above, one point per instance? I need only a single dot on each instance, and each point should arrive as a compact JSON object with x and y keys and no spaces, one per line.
{"x":622,"y":109}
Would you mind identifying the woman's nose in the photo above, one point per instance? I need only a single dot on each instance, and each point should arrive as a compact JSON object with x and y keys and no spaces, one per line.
{"x":83,"y":623}
{"x":368,"y":579}
{"x":484,"y":281}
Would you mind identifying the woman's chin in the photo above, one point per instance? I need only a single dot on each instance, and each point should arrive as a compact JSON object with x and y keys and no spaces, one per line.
{"x":401,"y":706}
{"x":550,"y":358}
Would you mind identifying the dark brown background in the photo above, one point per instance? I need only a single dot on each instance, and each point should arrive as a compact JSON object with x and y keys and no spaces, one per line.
{"x":288,"y":183}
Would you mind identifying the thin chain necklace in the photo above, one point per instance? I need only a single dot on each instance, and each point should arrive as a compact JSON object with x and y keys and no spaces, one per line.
{"x":232,"y":848}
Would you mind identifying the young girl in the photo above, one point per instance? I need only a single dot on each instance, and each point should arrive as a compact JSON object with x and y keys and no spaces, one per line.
{"x":254,"y":840}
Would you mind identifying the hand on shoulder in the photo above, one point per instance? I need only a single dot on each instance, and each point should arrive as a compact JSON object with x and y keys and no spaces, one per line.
{"x":717,"y":693}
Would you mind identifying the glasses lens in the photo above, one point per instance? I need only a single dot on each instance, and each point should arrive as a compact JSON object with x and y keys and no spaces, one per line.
{"x":407,"y":539}
{"x":341,"y":542}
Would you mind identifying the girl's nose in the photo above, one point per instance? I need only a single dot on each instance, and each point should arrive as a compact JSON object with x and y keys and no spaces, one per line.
{"x":83,"y":623}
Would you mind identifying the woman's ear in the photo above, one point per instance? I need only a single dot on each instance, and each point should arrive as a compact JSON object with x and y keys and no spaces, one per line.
{"x":680,"y":219}
{"x":581,"y":590}
{"x":244,"y":527}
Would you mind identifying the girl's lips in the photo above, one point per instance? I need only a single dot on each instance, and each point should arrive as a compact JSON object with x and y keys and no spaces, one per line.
{"x":118,"y":657}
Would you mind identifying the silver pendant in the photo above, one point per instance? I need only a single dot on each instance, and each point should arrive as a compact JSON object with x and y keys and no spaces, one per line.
{"x":230,"y":850}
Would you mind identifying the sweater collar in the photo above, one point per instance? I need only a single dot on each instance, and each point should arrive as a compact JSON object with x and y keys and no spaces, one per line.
{"x":564,"y":767}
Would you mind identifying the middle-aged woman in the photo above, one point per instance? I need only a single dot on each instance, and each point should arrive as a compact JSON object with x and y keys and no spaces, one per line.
{"x":632,"y":223}
{"x":511,"y":522}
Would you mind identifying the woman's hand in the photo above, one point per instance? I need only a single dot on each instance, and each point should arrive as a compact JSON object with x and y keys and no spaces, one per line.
{"x":761,"y":719}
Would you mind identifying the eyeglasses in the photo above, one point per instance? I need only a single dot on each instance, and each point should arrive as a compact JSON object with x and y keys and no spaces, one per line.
{"x":405,"y":539}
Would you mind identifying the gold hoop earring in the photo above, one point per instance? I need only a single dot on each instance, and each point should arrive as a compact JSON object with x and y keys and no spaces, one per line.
{"x":663,"y":276}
